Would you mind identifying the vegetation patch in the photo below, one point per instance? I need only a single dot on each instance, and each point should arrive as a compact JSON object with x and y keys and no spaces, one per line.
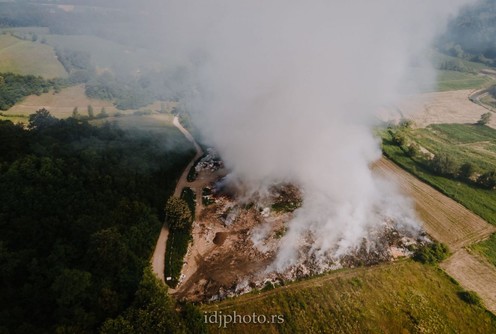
{"x":462,"y":166}
{"x":192,"y":174}
{"x":189,"y":196}
{"x":25,"y":56}
{"x":14,"y":87}
{"x":285,"y":206}
{"x":470,"y":297}
{"x":179,"y":217}
{"x":207,"y":197}
{"x":431,"y":253}
{"x":153,"y":311}
{"x":448,"y":80}
{"x":487,"y":248}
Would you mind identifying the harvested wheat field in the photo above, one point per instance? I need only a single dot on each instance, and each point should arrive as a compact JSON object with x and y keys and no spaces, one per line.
{"x":444,"y":219}
{"x":61,"y":104}
{"x":437,"y":108}
{"x":474,"y":273}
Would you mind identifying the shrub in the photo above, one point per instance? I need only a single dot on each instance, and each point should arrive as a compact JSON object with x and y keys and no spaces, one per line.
{"x":399,"y":138}
{"x":470,"y":297}
{"x":487,"y":180}
{"x":406,"y":123}
{"x":442,"y":164}
{"x":413,"y":150}
{"x":484,"y":119}
{"x":466,"y":171}
{"x":178,"y":214}
{"x":431,"y":253}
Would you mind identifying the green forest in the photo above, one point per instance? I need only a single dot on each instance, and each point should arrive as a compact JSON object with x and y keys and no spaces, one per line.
{"x":471,"y":35}
{"x":14,"y":87}
{"x":80,"y":210}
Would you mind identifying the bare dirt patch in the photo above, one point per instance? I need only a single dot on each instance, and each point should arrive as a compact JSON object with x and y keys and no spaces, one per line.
{"x":223,"y":259}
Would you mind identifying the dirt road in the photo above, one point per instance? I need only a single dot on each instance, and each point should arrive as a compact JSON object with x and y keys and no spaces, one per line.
{"x":183,"y":181}
{"x":158,"y":257}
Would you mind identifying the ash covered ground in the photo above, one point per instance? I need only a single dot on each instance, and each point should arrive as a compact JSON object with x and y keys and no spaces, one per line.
{"x":236,"y":239}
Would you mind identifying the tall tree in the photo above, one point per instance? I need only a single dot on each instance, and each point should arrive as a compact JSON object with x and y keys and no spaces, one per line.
{"x":41,"y":119}
{"x":91,"y":112}
{"x":484,"y":119}
{"x":177,"y":213}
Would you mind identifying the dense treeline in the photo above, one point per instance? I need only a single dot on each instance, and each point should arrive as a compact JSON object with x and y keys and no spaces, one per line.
{"x":179,"y":215}
{"x":153,"y":311}
{"x":78,"y":64}
{"x":80,"y":209}
{"x":472,"y":34}
{"x":14,"y":87}
{"x":130,"y":92}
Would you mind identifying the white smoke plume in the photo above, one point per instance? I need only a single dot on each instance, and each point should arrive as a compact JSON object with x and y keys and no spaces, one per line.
{"x":288,"y":91}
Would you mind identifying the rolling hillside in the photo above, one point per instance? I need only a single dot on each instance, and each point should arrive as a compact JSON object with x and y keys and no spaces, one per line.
{"x":27,"y":57}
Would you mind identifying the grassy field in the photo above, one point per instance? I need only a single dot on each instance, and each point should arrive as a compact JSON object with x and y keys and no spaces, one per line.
{"x":463,"y":143}
{"x":62,"y":104}
{"x":454,"y":80}
{"x":27,"y":57}
{"x":487,"y":248}
{"x":401,"y":297}
{"x":466,"y":144}
{"x":438,"y":59}
{"x":464,"y":77}
{"x":105,"y":53}
{"x":14,"y":118}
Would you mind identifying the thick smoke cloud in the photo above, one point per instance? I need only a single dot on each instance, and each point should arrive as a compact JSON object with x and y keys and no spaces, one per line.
{"x":288,"y":90}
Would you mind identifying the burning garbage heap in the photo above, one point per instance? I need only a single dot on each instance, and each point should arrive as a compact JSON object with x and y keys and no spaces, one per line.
{"x":238,"y":240}
{"x":210,"y":162}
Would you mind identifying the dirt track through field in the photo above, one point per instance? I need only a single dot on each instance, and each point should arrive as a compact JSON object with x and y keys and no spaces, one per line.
{"x":444,"y":219}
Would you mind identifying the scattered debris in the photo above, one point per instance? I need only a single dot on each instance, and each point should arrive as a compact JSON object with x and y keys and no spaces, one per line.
{"x":235,"y":241}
